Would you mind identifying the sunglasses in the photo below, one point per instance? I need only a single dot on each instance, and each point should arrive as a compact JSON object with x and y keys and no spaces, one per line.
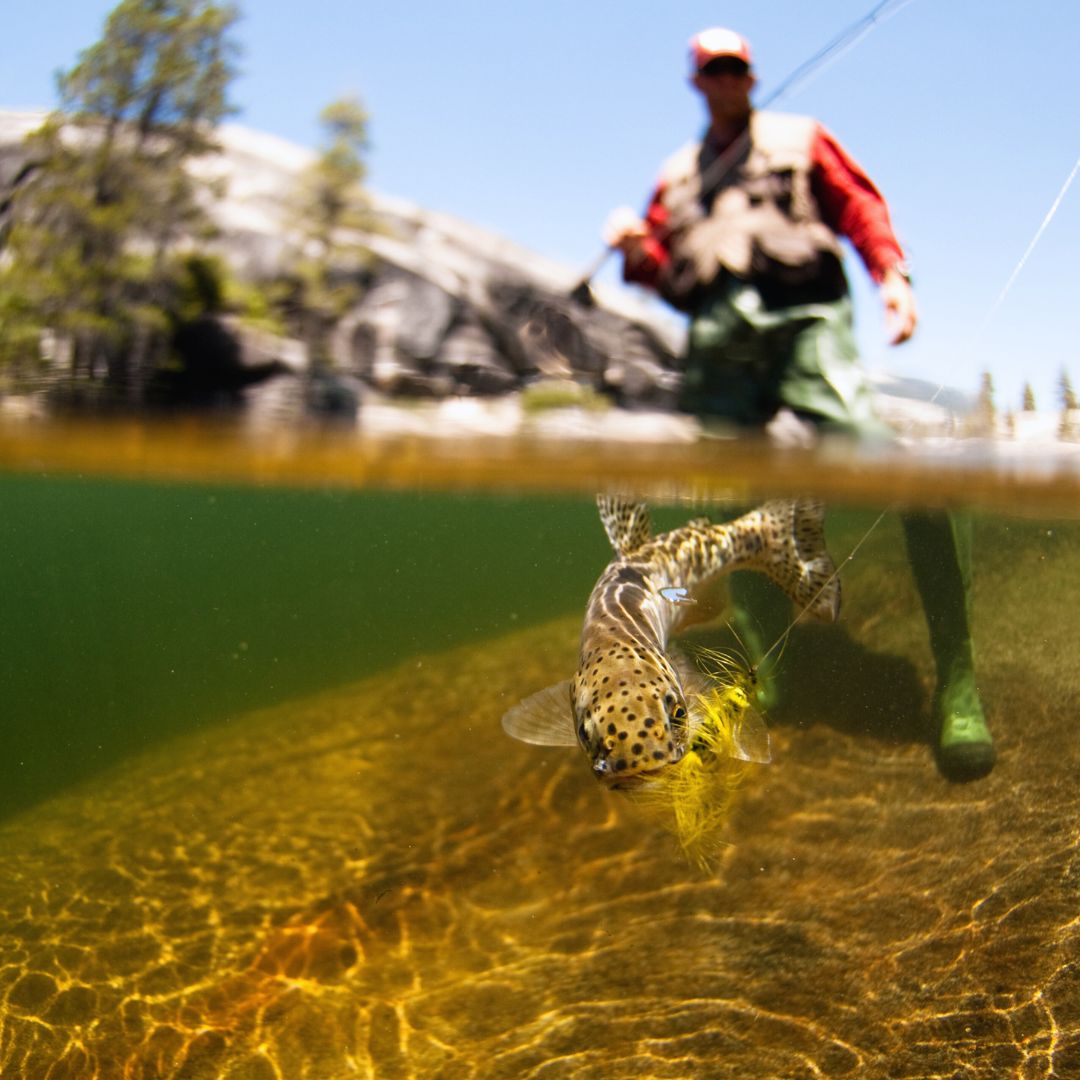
{"x":724,"y":65}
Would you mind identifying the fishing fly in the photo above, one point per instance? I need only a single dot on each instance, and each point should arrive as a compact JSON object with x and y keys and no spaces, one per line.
{"x":693,"y":798}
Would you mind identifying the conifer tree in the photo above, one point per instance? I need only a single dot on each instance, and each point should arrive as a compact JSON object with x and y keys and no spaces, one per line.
{"x":1028,"y":398}
{"x":108,"y":195}
{"x":984,"y":415}
{"x":330,"y":204}
{"x":1069,"y":425}
{"x":1066,"y":392}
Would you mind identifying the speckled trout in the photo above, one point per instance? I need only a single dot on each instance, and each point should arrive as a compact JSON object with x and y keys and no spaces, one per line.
{"x":633,"y":705}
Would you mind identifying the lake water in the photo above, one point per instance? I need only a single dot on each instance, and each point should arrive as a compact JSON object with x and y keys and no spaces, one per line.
{"x":259,"y":818}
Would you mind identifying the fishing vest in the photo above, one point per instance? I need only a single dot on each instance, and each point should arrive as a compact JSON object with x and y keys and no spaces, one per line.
{"x":748,"y":210}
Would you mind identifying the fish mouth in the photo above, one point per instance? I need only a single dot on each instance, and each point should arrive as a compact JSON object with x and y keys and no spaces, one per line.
{"x":635,"y":780}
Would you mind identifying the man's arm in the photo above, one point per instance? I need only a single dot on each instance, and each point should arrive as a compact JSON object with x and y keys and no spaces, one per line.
{"x":853,"y":207}
{"x":641,"y":240}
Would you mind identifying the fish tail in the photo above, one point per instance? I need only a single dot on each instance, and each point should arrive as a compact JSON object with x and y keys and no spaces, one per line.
{"x":786,"y":538}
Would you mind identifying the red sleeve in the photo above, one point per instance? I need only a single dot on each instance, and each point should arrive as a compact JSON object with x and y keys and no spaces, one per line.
{"x":851,"y":205}
{"x":644,"y":268}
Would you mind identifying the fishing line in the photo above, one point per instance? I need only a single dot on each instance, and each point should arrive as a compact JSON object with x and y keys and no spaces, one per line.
{"x":844,"y":42}
{"x":1031,"y":247}
{"x":1048,"y":217}
{"x":1054,"y":207}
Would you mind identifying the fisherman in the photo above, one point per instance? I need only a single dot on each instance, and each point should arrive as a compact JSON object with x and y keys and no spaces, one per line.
{"x":743,"y":234}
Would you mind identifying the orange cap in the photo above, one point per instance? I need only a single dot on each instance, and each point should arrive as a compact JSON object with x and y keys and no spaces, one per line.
{"x":714,"y":42}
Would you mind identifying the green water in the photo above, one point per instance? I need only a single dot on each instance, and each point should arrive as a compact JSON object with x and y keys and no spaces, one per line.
{"x":133,"y":611}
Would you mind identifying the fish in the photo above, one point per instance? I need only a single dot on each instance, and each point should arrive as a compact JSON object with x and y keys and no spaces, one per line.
{"x":635,"y":705}
{"x":693,"y":798}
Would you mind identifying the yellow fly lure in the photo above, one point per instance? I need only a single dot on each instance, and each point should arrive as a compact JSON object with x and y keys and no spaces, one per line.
{"x":693,"y":798}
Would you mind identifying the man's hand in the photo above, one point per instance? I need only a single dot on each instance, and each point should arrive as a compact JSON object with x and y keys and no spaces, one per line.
{"x":899,"y":301}
{"x":624,"y":230}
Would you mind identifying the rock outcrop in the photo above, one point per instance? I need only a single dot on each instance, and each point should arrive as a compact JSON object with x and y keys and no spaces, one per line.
{"x":446,"y":309}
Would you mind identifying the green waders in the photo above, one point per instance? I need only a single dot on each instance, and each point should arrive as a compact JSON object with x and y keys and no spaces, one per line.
{"x":746,"y":359}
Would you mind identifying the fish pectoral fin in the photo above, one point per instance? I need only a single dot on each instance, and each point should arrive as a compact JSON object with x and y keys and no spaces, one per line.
{"x":544,"y":718}
{"x":751,"y":738}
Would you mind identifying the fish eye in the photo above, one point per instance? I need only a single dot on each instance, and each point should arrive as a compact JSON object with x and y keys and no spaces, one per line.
{"x":581,"y":733}
{"x":675,"y":709}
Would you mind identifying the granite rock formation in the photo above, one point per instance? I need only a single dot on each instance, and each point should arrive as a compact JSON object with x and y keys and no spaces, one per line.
{"x":446,"y":308}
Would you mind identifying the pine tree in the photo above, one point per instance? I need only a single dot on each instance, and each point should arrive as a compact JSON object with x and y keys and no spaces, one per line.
{"x":984,"y":415}
{"x":1028,"y":398}
{"x":1065,"y":391}
{"x":109,"y":195}
{"x":1069,"y":425}
{"x":330,"y":203}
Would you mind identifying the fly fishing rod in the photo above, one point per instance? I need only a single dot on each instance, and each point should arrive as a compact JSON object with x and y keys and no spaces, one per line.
{"x":711,"y":176}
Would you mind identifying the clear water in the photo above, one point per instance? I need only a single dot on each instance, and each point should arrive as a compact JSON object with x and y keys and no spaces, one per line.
{"x":260,"y":820}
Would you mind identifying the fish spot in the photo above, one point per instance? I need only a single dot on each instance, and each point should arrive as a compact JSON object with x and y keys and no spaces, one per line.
{"x":621,"y":765}
{"x":611,"y":729}
{"x":637,"y":749}
{"x":649,"y":721}
{"x":622,"y":736}
{"x":658,"y":755}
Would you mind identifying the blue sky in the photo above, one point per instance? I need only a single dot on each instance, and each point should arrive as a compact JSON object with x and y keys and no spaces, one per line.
{"x":534,"y":118}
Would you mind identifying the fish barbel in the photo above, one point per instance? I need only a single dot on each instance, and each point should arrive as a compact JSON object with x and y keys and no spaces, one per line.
{"x":633,"y":706}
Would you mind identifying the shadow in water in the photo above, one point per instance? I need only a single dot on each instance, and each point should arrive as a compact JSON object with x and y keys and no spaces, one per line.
{"x":826,"y":677}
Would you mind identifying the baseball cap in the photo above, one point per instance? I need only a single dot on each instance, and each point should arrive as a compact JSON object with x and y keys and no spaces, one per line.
{"x":717,"y":41}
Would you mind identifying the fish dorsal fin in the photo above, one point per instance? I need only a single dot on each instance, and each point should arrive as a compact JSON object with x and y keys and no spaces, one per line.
{"x":626,"y":522}
{"x":543,"y":719}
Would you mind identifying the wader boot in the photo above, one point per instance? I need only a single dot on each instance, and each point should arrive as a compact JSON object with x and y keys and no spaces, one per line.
{"x":754,"y":350}
{"x":939,"y":551}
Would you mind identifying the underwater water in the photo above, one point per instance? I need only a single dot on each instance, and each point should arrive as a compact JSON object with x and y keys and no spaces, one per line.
{"x":259,"y":818}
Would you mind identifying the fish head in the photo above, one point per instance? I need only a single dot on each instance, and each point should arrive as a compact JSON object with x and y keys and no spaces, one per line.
{"x":630,"y":713}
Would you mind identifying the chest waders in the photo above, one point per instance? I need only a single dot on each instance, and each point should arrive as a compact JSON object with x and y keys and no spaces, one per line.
{"x":749,"y":355}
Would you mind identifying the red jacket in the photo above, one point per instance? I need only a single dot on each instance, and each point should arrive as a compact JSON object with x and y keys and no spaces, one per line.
{"x":848,"y":201}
